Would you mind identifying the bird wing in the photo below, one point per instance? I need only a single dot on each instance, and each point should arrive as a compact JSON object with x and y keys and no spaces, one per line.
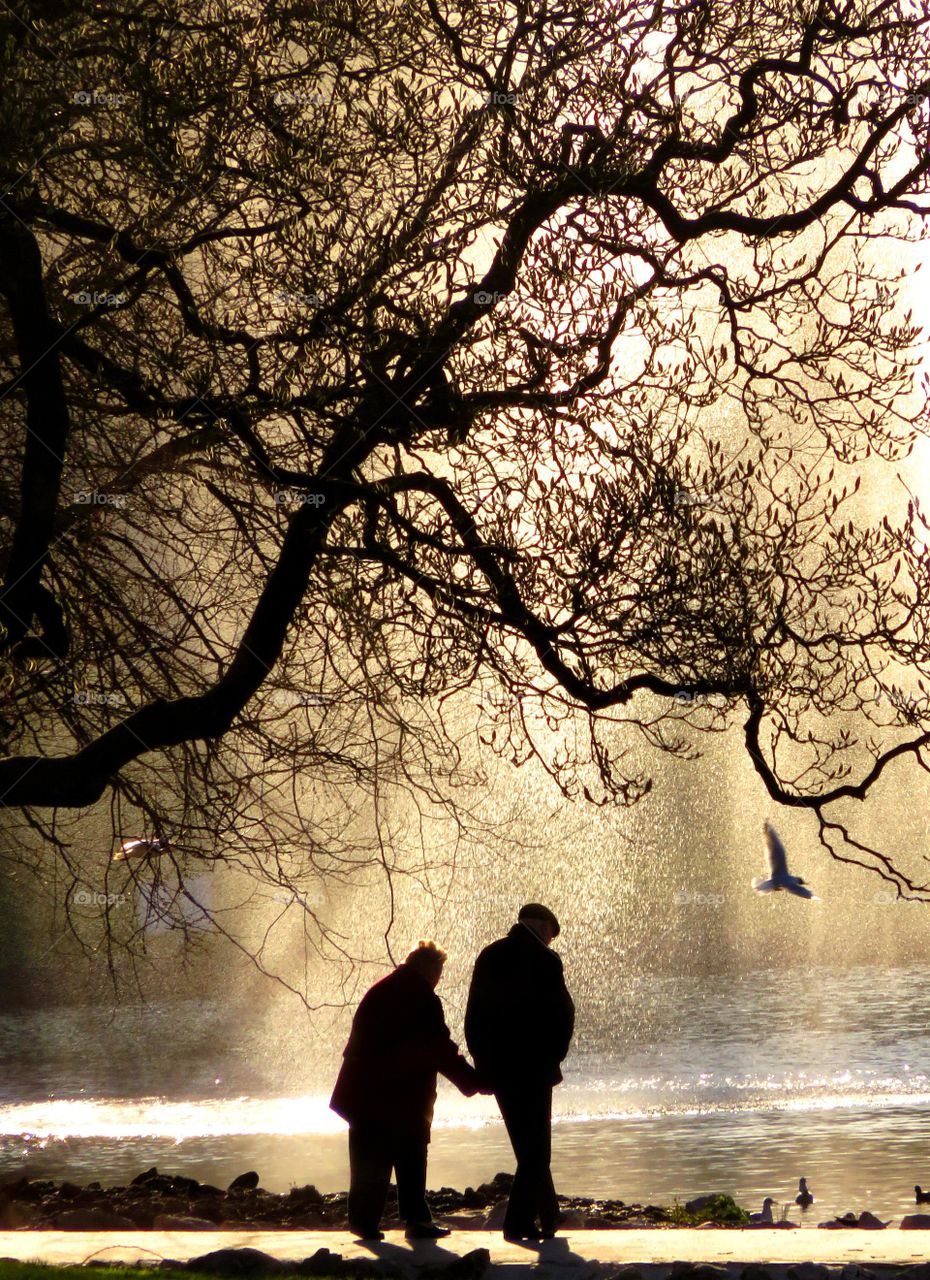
{"x":778,"y":858}
{"x":128,"y":849}
{"x":801,"y":891}
{"x":763,"y":886}
{"x":138,"y":849}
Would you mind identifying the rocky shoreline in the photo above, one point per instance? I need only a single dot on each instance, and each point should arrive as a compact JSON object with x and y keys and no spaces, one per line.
{"x":155,"y":1201}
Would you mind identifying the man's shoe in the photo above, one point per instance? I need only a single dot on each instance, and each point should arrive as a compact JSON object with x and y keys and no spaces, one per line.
{"x":426,"y":1231}
{"x":366,"y":1233}
{"x":518,"y":1235}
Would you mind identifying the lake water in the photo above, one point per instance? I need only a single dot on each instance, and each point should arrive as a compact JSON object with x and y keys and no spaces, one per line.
{"x":675,"y":1086}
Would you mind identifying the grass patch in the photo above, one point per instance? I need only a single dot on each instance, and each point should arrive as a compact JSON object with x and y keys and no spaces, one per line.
{"x":720,"y":1209}
{"x":44,"y":1271}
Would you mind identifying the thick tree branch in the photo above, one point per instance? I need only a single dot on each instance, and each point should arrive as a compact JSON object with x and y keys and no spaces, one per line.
{"x":37,"y":336}
{"x":80,"y":778}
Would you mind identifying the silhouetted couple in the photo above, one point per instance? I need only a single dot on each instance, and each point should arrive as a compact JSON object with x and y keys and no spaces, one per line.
{"x":518,"y":1026}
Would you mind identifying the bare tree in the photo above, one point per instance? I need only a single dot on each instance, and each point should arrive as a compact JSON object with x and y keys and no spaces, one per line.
{"x":357,"y":356}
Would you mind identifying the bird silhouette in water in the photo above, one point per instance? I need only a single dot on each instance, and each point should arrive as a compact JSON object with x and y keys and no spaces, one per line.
{"x":779,"y":875}
{"x":766,"y":1214}
{"x":804,"y":1197}
{"x":922,"y":1197}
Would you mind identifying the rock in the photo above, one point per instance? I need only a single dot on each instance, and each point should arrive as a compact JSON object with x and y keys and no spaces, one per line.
{"x":92,"y":1219}
{"x":179,"y":1222}
{"x":23,"y":1189}
{"x":869,"y":1222}
{"x":158,"y":1184}
{"x":185,"y":1186}
{"x":809,"y":1271}
{"x":701,"y":1202}
{"x":494,"y":1218}
{"x":301,"y":1196}
{"x":626,"y":1271}
{"x":915,"y":1222}
{"x":245,"y":1182}
{"x":206,"y":1207}
{"x":89,"y":1197}
{"x":68,"y":1190}
{"x":499,"y":1186}
{"x":144,"y":1177}
{"x":322,"y":1263}
{"x":697,"y":1271}
{"x":236,"y":1262}
{"x":755,"y":1272}
{"x":471,"y":1266}
{"x":167,"y":1204}
{"x":14,"y":1216}
{"x":142,"y":1215}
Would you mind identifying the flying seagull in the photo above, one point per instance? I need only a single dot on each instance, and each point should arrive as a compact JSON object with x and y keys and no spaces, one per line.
{"x":779,"y":876}
{"x":139,"y":849}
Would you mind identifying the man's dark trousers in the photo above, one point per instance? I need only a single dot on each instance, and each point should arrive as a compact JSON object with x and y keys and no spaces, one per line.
{"x":526,"y":1106}
{"x":373,"y":1153}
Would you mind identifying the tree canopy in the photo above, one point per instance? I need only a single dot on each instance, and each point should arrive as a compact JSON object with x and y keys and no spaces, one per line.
{"x":359,"y":356}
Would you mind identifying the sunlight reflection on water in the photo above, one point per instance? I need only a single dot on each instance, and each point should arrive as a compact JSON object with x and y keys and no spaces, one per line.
{"x":722,"y":1083}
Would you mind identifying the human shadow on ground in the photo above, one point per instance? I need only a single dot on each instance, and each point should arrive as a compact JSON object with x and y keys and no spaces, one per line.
{"x":422,"y":1250}
{"x":559,"y":1252}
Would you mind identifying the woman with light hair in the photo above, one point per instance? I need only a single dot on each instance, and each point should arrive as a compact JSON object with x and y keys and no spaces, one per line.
{"x":386,"y":1090}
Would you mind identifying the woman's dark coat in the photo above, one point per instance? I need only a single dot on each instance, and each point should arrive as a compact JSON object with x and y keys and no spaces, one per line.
{"x":399,"y":1042}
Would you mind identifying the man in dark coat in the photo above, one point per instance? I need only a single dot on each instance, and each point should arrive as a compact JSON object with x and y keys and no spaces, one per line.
{"x":386,"y":1090}
{"x":518,"y":1026}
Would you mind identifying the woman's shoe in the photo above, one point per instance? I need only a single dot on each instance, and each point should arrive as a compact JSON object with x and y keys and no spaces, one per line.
{"x":426,"y":1231}
{"x":518,"y":1235}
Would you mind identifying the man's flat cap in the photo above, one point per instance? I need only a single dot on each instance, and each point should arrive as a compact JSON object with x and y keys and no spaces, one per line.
{"x":536,"y":911}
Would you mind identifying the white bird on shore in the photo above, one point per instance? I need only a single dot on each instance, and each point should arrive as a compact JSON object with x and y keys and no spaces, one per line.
{"x":779,"y":876}
{"x":804,"y":1197}
{"x":766,"y":1214}
{"x":139,"y":849}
